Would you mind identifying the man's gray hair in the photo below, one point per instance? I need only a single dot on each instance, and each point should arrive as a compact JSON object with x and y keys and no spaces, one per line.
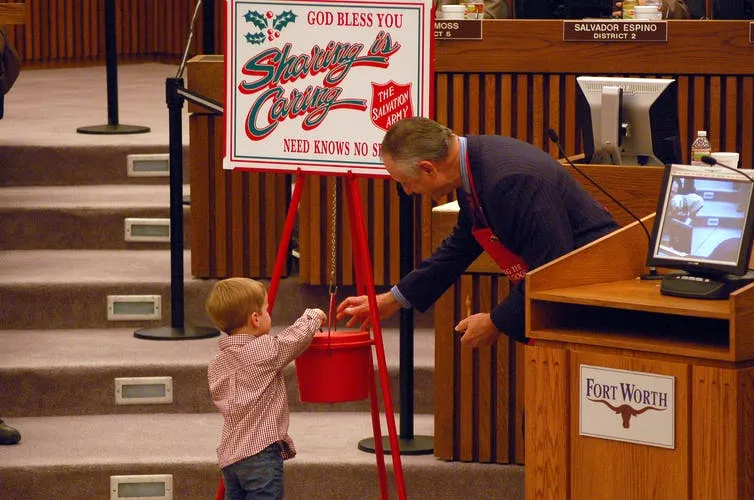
{"x":416,"y":139}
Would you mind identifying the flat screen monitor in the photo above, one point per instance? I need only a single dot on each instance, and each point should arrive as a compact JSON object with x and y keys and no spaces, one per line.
{"x":703,"y":228}
{"x":628,"y":121}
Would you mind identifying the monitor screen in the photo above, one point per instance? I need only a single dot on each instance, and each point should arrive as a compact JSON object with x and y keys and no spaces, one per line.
{"x":704,"y":220}
{"x":628,"y":121}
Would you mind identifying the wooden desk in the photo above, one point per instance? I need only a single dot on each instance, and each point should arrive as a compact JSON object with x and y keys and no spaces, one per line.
{"x":12,"y":13}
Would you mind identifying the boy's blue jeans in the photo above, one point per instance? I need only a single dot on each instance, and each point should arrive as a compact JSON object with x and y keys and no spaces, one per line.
{"x":257,"y":477}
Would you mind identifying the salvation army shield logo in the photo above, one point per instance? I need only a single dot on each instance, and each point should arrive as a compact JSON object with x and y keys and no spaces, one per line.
{"x":390,"y":102}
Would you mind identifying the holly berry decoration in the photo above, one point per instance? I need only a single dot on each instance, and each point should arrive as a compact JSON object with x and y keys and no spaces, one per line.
{"x":268,"y":24}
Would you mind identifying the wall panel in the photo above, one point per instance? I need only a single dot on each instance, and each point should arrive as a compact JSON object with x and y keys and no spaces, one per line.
{"x":72,"y":32}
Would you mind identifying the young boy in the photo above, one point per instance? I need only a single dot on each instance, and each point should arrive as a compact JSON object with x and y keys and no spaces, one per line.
{"x":247,"y":386}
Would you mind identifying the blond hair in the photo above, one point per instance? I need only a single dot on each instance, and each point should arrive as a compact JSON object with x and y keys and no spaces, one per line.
{"x":416,"y":139}
{"x":231,"y":301}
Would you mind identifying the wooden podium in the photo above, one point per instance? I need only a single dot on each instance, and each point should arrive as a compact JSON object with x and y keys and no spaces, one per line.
{"x":479,"y":393}
{"x":589,"y":308}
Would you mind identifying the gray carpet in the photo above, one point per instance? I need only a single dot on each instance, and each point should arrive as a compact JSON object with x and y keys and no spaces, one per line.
{"x":46,"y":106}
{"x":39,"y":142}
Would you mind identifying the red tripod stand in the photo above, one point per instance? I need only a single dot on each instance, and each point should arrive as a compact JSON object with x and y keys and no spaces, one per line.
{"x":365,"y":286}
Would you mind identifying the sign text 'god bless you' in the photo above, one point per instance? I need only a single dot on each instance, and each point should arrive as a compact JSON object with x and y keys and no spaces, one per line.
{"x":314,"y":86}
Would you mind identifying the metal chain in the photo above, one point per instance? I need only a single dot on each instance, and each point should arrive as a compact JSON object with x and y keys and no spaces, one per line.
{"x":333,"y":232}
{"x":332,"y":323}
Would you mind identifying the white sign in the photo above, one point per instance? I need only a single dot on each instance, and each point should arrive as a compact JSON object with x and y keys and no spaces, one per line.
{"x":627,"y":406}
{"x":313,"y":86}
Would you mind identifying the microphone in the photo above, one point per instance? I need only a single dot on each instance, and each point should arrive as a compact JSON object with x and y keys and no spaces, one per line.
{"x":711,"y":160}
{"x":554,"y":138}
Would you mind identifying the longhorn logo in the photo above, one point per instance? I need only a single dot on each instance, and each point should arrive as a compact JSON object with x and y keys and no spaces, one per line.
{"x":626,"y":411}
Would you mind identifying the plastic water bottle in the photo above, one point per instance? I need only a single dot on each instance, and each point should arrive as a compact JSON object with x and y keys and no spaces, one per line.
{"x":700,"y":147}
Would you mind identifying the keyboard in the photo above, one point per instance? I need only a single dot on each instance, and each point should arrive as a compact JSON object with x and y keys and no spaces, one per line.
{"x":703,"y":287}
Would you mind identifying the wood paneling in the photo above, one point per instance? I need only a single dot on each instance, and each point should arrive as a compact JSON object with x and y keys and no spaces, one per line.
{"x":71,"y":32}
{"x":636,"y":328}
{"x":724,"y":397}
{"x":12,"y":13}
{"x":537,"y":47}
{"x":722,"y":105}
{"x":237,"y":217}
{"x":478,"y":410}
{"x":549,"y":411}
{"x":628,"y":470}
{"x":381,"y":210}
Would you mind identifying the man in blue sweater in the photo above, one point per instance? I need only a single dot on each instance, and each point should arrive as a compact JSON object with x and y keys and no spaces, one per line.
{"x":516,"y":202}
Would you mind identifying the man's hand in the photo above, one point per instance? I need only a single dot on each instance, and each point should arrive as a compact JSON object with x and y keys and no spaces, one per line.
{"x":478,"y":330}
{"x":358,"y":308}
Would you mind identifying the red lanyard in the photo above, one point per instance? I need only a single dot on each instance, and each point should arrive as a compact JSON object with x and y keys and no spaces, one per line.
{"x":512,"y":265}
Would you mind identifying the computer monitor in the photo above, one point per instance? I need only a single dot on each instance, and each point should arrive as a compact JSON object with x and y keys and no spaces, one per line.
{"x":703,"y":227}
{"x":628,"y":121}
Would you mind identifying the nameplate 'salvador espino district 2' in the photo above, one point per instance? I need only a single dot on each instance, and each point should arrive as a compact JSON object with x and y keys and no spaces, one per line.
{"x":614,"y":30}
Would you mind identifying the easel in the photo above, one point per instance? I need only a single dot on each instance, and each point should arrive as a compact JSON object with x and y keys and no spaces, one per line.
{"x":364,"y":286}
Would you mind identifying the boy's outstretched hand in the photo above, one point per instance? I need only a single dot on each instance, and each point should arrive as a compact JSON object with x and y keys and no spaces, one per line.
{"x":321,"y":314}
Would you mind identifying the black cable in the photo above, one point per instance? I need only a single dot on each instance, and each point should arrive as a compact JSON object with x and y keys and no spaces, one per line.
{"x":711,"y":160}
{"x":554,"y":138}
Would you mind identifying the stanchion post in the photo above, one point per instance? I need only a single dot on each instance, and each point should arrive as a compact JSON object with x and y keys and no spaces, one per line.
{"x":177,"y":330}
{"x":208,"y":27}
{"x":409,"y":443}
{"x":175,"y":107}
{"x":111,"y":59}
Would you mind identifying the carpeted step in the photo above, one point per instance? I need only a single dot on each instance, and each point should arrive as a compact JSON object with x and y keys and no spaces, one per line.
{"x":39,"y":141}
{"x":71,"y":165}
{"x":74,"y":457}
{"x":82,"y":217}
{"x":82,"y":365}
{"x":68,"y":289}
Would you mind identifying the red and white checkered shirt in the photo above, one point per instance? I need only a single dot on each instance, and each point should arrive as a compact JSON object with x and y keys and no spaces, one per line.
{"x":247,"y":386}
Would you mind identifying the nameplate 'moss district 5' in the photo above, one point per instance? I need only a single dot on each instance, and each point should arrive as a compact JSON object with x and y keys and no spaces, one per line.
{"x":458,"y":29}
{"x":615,"y":30}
